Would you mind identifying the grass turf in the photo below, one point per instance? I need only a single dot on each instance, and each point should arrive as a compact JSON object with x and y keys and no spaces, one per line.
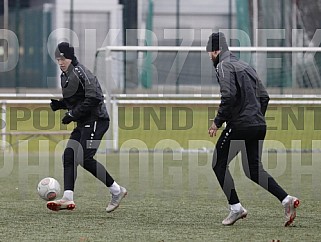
{"x":172,"y":197}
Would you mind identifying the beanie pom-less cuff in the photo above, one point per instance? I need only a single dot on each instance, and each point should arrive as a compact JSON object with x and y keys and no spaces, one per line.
{"x":216,"y":41}
{"x":65,"y":50}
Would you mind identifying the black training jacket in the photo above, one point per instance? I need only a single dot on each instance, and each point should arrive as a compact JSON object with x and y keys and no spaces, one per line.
{"x":82,"y":94}
{"x":244,"y":99}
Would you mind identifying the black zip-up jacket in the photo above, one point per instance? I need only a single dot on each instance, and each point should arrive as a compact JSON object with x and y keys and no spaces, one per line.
{"x":244,"y":99}
{"x":82,"y":94}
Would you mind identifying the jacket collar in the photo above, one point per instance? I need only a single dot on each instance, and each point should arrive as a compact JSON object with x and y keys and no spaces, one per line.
{"x":224,"y":55}
{"x":221,"y":57}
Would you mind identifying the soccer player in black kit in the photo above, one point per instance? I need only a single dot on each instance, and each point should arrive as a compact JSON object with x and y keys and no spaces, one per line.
{"x":84,"y":101}
{"x":244,"y":101}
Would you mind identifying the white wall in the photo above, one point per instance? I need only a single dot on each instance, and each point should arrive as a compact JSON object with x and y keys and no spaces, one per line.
{"x":40,"y":2}
{"x":87,"y":38}
{"x":205,"y":15}
{"x":110,"y":6}
{"x":192,"y":6}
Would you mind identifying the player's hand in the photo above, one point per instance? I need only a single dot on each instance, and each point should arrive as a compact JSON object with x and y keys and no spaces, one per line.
{"x":212,"y":130}
{"x":68,"y":118}
{"x":55,"y":105}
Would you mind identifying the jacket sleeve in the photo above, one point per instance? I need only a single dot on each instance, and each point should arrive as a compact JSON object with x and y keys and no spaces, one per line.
{"x":263,"y":97}
{"x":63,"y":103}
{"x":228,"y":89}
{"x":92,"y":97}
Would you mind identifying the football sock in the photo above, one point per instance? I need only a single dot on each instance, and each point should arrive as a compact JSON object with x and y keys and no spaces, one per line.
{"x":68,"y":195}
{"x":236,"y":207}
{"x":286,"y":200}
{"x":114,"y":188}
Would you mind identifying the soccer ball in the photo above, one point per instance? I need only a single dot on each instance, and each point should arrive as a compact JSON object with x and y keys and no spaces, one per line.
{"x":48,"y":188}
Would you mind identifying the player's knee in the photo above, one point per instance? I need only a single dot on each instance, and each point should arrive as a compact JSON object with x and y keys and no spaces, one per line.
{"x":87,"y":161}
{"x":214,"y":160}
{"x":253,"y":175}
{"x":91,"y":165}
{"x":218,"y":166}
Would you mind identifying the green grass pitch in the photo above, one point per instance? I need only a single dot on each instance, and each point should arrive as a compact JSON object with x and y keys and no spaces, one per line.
{"x":171,"y":197}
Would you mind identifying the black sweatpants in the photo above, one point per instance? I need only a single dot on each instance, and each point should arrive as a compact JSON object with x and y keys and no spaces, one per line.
{"x":249,"y":142}
{"x":81,"y":149}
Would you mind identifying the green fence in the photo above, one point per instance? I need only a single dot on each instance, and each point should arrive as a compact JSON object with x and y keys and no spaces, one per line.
{"x":32,"y":28}
{"x":295,"y":21}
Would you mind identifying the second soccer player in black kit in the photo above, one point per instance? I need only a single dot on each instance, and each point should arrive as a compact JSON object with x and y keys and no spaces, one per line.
{"x":244,"y":101}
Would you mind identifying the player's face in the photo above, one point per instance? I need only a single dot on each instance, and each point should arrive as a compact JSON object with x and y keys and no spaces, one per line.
{"x":213,"y":55}
{"x":63,"y":63}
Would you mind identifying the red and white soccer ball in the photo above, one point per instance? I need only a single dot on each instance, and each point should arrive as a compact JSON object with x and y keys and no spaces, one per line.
{"x":48,"y":188}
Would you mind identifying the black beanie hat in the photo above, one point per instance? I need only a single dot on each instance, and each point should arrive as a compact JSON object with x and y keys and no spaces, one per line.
{"x":65,"y":50}
{"x":216,"y":41}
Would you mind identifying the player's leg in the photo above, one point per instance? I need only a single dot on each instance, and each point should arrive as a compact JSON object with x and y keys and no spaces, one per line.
{"x":70,"y":159}
{"x":222,"y":156}
{"x":70,"y":173}
{"x":91,"y":136}
{"x":252,"y":165}
{"x":225,"y":151}
{"x":253,"y":168}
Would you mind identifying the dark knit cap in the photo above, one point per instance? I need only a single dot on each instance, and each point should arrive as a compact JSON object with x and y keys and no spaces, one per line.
{"x":216,"y":41}
{"x":65,"y":50}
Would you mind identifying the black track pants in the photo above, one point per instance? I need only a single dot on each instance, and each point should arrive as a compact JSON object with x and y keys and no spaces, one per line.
{"x":249,"y":142}
{"x":81,"y":149}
